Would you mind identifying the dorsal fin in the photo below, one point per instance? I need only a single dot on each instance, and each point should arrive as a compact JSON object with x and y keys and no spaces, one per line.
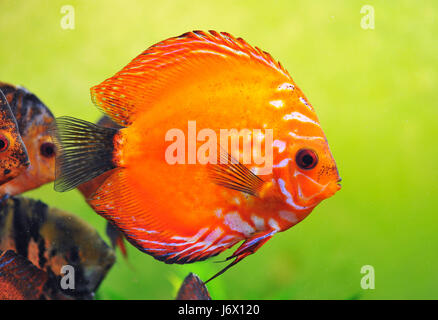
{"x":136,"y":86}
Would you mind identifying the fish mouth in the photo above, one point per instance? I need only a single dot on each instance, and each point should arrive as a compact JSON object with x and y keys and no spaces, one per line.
{"x":338,"y":183}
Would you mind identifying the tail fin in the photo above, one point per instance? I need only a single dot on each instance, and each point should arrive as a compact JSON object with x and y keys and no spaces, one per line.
{"x":83,"y":151}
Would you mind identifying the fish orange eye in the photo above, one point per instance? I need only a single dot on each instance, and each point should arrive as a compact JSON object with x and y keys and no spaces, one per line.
{"x":306,"y":159}
{"x":47,"y":149}
{"x":4,"y":143}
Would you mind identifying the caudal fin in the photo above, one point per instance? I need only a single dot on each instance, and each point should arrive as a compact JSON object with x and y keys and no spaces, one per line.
{"x":83,"y":151}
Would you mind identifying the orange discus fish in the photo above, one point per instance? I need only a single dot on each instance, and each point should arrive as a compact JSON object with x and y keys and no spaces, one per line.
{"x":34,"y":120}
{"x":13,"y":154}
{"x":178,"y":194}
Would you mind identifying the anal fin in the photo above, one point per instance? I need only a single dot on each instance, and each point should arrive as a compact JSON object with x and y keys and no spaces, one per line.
{"x":250,"y":246}
{"x":117,"y":238}
{"x":138,"y":217}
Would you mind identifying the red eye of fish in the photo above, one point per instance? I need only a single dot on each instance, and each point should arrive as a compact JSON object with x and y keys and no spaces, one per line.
{"x":4,"y":143}
{"x":306,"y":159}
{"x":47,"y":149}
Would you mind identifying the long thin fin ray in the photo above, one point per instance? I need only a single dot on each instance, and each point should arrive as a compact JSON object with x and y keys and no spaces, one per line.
{"x":248,"y":247}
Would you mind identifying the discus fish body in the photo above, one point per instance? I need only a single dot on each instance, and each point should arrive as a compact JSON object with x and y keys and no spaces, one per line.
{"x":13,"y":154}
{"x":179,"y":212}
{"x":34,"y":120}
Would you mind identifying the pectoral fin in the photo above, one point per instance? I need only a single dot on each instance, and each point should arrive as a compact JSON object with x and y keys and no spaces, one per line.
{"x":230,"y":173}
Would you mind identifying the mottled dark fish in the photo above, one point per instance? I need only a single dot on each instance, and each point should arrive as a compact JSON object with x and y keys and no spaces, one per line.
{"x":51,"y":238}
{"x":193,"y":288}
{"x":33,"y":119}
{"x":21,"y":280}
{"x":14,"y":159}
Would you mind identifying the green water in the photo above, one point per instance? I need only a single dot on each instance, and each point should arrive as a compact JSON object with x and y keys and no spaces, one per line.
{"x":374,"y":92}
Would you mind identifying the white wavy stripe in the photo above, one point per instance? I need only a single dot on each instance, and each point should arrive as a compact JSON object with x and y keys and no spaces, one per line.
{"x":298,"y":173}
{"x":235,"y":223}
{"x":283,"y":163}
{"x":205,"y":245}
{"x":193,"y":238}
{"x":225,"y":241}
{"x":209,"y":52}
{"x":207,"y":242}
{"x":178,"y":253}
{"x":298,"y":137}
{"x":281,"y":145}
{"x":288,"y":216}
{"x":306,"y":103}
{"x":241,"y":53}
{"x":144,"y":230}
{"x":259,"y":223}
{"x":299,"y":117}
{"x":273,"y":224}
{"x":276,"y":103}
{"x":300,"y":193}
{"x":289,"y":199}
{"x":286,"y":86}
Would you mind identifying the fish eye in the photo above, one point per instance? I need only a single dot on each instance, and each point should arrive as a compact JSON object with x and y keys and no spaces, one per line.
{"x":4,"y":143}
{"x":306,"y":159}
{"x":47,"y":149}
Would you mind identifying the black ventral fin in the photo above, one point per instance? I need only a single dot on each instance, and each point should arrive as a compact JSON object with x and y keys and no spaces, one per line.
{"x":83,"y":151}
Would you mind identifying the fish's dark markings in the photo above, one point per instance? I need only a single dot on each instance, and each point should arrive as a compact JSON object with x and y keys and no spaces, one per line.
{"x":21,"y":229}
{"x":27,"y":228}
{"x":53,"y":253}
{"x":3,"y":216}
{"x":41,"y":251}
{"x":53,"y":283}
{"x":326,"y":170}
{"x":74,"y":255}
{"x":25,"y":106}
{"x":37,"y":222}
{"x":7,"y":171}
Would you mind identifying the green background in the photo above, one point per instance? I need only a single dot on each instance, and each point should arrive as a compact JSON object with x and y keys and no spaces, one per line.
{"x":374,"y":92}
